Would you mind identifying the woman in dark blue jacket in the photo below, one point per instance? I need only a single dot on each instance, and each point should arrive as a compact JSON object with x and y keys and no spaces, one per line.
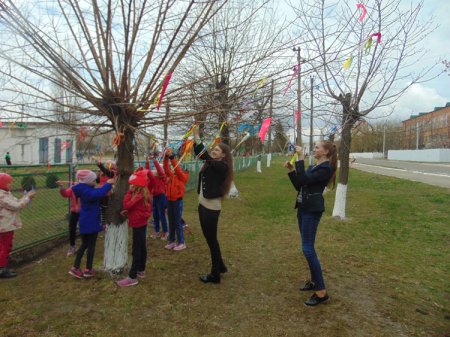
{"x":310,"y":205}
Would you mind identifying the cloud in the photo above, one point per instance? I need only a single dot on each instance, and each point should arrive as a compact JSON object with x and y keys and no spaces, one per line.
{"x":418,"y":98}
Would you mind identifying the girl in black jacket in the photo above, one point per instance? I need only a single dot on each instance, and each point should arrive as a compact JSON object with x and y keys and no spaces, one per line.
{"x":310,"y":206}
{"x":214,"y":184}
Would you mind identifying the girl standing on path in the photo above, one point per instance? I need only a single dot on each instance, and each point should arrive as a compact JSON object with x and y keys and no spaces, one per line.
{"x":310,"y":207}
{"x":89,"y":221}
{"x":137,"y":205}
{"x":9,"y":221}
{"x":214,"y":184}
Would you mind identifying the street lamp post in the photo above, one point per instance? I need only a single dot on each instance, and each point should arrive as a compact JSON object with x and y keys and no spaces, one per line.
{"x":299,"y":97}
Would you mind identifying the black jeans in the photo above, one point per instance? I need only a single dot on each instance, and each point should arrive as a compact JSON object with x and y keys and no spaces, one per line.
{"x":208,"y":222}
{"x":73,"y":220}
{"x":88,"y":242}
{"x":139,"y":251}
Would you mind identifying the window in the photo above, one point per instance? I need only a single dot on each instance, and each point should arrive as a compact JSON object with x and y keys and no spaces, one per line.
{"x":57,"y":158}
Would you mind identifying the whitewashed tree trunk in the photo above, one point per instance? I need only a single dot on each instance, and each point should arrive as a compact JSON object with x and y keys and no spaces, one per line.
{"x":269,"y":159}
{"x":340,"y":201}
{"x":234,"y":193}
{"x":116,"y":248}
{"x":258,"y":166}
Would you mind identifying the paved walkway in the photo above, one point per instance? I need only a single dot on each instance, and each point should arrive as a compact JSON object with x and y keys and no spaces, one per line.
{"x":437,"y":174}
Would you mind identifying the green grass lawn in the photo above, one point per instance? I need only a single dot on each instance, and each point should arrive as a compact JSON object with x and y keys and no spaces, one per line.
{"x":386,"y":268}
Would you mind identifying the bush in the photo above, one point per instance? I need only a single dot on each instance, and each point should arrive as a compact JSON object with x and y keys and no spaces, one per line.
{"x":28,"y":183}
{"x":51,"y":180}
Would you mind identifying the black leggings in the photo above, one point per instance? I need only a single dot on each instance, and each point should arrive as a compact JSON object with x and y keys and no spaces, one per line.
{"x":73,"y":220}
{"x":139,"y":251}
{"x":208,"y":222}
{"x":88,"y":242}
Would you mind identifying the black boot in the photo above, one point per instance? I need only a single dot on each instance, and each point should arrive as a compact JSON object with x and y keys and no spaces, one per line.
{"x":209,"y":278}
{"x":223,"y":269}
{"x":6,"y":273}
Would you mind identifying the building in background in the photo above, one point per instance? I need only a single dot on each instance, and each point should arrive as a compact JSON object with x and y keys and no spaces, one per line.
{"x":428,"y":130}
{"x":33,"y":143}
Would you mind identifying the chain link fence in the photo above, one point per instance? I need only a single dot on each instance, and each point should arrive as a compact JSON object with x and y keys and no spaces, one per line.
{"x":46,"y":217}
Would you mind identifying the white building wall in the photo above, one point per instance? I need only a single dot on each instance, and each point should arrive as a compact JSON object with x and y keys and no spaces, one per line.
{"x":23,"y":143}
{"x":426,"y":155}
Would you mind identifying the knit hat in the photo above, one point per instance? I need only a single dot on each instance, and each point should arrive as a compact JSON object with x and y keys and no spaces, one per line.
{"x":86,"y":176}
{"x":5,"y":179}
{"x":138,"y":178}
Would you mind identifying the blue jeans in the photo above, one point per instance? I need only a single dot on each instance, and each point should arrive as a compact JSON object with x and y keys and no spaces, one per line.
{"x":308,"y":223}
{"x":159,"y":212}
{"x":174,"y":209}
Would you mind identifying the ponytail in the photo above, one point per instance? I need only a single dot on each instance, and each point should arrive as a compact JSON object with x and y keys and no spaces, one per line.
{"x":332,"y":157}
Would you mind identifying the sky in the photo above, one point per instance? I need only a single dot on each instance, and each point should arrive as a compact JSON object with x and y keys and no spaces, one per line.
{"x":423,"y":97}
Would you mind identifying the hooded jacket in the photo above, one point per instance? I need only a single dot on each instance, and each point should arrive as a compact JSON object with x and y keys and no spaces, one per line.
{"x":9,"y":211}
{"x":90,"y":206}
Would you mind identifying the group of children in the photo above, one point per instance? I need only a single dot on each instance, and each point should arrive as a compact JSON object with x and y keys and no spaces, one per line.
{"x":149,"y":191}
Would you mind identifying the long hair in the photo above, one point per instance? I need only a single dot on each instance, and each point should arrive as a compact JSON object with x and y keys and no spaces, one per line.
{"x":228,"y":159}
{"x":142,"y":190}
{"x":332,"y":158}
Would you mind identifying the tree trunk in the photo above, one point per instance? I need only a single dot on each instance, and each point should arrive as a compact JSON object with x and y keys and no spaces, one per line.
{"x":116,"y":237}
{"x":350,"y":116}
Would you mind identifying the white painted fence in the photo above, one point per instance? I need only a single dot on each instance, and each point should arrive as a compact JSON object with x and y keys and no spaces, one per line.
{"x":426,"y":155}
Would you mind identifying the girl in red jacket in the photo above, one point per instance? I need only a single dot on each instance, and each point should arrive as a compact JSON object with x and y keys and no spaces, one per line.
{"x":137,"y":205}
{"x":159,"y":201}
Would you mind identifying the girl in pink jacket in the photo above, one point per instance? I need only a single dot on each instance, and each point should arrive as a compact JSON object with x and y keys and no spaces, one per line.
{"x":9,"y":221}
{"x":74,"y":216}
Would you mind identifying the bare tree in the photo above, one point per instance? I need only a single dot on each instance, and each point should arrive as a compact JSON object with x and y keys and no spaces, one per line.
{"x":121,"y":52}
{"x":233,"y":62}
{"x":363,"y":63}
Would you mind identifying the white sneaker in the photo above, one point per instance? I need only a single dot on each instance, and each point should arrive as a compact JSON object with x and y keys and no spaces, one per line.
{"x":181,"y":246}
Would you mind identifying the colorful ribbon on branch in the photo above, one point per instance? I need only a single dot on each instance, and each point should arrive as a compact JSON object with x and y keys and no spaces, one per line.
{"x":378,"y":35}
{"x":296,"y":69}
{"x":187,"y":148}
{"x":216,"y":139}
{"x":264,"y":127}
{"x":348,"y":63}
{"x":118,"y":139}
{"x":364,"y":11}
{"x":247,"y":136}
{"x":297,"y":116}
{"x":165,"y":84}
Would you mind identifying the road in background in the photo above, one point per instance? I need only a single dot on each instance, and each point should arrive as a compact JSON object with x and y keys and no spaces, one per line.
{"x":437,"y":174}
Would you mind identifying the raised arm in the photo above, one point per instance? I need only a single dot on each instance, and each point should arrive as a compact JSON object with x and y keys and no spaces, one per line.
{"x":12,"y":203}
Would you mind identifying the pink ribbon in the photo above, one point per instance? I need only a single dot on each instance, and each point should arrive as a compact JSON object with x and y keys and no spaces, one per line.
{"x":264,"y":127}
{"x":378,"y":35}
{"x":296,"y":69}
{"x":363,"y":15}
{"x":165,"y":84}
{"x":297,"y":117}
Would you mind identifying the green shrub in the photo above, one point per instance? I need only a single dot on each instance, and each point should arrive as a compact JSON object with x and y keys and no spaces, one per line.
{"x":50,"y":180}
{"x":28,"y":183}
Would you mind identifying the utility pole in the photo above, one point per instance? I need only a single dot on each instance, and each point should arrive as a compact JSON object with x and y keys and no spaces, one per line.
{"x":299,"y":97}
{"x":417,"y":135}
{"x":311,"y":137}
{"x":270,"y":115}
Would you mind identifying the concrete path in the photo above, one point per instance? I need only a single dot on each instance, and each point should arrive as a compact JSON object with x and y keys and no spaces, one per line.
{"x":437,"y":174}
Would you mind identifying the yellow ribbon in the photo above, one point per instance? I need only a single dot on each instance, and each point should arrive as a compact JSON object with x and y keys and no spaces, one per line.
{"x":293,"y":159}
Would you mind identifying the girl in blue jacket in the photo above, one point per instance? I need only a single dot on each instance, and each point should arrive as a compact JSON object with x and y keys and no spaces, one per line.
{"x":89,"y":220}
{"x":310,"y":205}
